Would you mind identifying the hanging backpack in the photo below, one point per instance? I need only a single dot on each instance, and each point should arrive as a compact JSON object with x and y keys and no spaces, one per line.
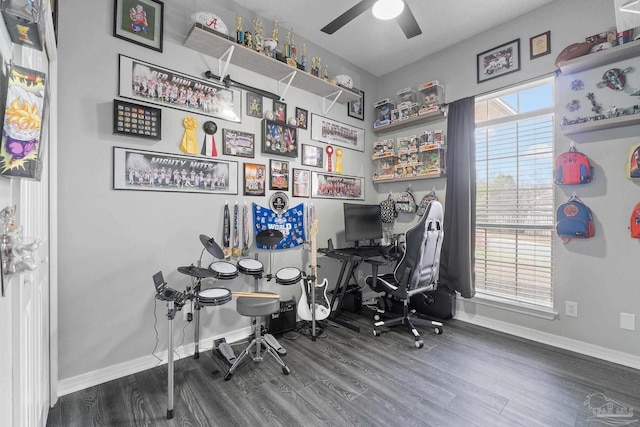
{"x":574,"y":220}
{"x":405,"y":202}
{"x":422,"y":207}
{"x":634,"y":227}
{"x":388,"y":210}
{"x":572,"y":167}
{"x":633,"y":162}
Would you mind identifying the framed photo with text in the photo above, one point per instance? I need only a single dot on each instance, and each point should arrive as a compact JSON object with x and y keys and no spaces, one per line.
{"x":254,"y":179}
{"x":301,"y":183}
{"x":150,"y":83}
{"x":237,"y":143}
{"x":152,"y":171}
{"x":332,"y":132}
{"x":140,"y":22}
{"x":279,"y":175}
{"x":500,"y":60}
{"x":540,"y":45}
{"x":336,"y":186}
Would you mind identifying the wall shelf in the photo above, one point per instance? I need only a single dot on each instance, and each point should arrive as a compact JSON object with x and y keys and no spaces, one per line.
{"x":614,"y":122}
{"x":425,"y":118}
{"x":206,"y":41}
{"x":411,"y":178}
{"x":607,"y":56}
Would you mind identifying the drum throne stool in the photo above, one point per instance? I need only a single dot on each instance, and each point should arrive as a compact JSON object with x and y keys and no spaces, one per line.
{"x":257,"y":308}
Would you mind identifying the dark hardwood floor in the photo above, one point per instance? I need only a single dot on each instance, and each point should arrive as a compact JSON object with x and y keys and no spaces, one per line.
{"x":469,"y":376}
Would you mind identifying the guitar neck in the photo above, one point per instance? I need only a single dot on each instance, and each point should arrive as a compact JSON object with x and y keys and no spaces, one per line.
{"x":314,"y":262}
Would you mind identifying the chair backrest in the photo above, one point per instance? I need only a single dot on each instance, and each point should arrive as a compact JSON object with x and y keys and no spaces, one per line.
{"x":419,"y":265}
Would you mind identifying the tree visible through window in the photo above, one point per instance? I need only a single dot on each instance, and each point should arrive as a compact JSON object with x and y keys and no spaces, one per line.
{"x":514,"y":200}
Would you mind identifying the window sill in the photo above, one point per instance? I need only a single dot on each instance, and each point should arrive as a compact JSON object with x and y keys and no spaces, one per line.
{"x":516,"y":307}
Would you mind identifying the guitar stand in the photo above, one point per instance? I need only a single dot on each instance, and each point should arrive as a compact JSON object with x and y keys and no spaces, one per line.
{"x":311,"y":281}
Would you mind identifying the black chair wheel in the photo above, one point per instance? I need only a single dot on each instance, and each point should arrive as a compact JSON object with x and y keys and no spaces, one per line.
{"x":376,"y":333}
{"x":286,"y":370}
{"x":228,"y":376}
{"x":419,"y":343}
{"x":438,"y":330}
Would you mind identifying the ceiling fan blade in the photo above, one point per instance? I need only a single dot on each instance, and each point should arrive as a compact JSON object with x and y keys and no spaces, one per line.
{"x":408,"y":23}
{"x":348,"y":16}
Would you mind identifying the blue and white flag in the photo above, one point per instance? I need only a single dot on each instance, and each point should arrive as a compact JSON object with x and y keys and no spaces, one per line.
{"x":290,"y":224}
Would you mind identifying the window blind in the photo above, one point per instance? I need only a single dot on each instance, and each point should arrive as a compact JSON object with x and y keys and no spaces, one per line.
{"x":514,"y":203}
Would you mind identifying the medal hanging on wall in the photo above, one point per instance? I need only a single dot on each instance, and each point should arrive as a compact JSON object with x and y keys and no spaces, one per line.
{"x":329,"y":151}
{"x":245,"y":229}
{"x":226,"y":230}
{"x":235,"y":250}
{"x":210,"y":129}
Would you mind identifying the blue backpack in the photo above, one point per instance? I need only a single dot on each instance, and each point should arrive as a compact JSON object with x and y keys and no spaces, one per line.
{"x":574,"y":220}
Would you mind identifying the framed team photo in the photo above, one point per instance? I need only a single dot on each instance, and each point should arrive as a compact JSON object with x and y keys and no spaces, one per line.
{"x":279,"y":175}
{"x":335,"y":186}
{"x":254,"y":105}
{"x":150,"y":83}
{"x":254,"y":179}
{"x":333,"y":132}
{"x":144,"y":170}
{"x":140,"y":22}
{"x":237,"y":143}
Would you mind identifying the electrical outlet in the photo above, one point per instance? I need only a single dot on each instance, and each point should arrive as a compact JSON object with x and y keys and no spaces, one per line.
{"x":628,"y":321}
{"x":571,"y":308}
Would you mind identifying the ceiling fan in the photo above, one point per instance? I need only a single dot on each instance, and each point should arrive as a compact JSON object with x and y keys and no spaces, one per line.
{"x":405,"y":19}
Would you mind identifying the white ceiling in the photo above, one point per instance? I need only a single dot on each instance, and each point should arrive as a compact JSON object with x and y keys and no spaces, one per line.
{"x":380,"y":46}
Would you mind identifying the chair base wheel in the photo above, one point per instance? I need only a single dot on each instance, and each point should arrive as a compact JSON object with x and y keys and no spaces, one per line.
{"x":419,"y":343}
{"x":438,"y":331}
{"x":286,"y":370}
{"x":376,"y":333}
{"x":228,"y":376}
{"x":376,"y":317}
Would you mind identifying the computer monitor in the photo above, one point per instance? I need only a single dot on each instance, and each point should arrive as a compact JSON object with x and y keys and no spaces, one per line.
{"x":362,"y":222}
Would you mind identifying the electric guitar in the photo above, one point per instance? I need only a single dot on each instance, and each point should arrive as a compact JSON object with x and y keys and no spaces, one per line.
{"x":305,"y":305}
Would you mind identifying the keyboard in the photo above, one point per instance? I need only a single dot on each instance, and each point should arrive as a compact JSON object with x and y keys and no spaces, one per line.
{"x":361,"y":251}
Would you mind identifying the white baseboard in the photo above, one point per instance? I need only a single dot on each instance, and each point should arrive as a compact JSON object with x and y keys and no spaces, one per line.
{"x":109,"y":373}
{"x":581,"y":347}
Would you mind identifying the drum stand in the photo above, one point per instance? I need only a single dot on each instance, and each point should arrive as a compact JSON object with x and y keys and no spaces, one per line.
{"x":223,"y":347}
{"x":171,"y":314}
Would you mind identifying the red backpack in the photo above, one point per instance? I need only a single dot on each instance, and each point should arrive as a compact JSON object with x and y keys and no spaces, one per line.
{"x":572,"y":167}
{"x":634,"y":227}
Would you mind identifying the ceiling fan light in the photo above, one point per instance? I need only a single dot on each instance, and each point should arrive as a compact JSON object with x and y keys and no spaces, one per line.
{"x":387,"y":9}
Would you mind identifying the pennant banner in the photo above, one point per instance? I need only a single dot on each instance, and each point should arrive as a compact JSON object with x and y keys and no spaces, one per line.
{"x":290,"y":224}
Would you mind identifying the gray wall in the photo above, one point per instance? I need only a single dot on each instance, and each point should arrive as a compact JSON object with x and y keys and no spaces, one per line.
{"x":597,"y":273}
{"x":111,"y":242}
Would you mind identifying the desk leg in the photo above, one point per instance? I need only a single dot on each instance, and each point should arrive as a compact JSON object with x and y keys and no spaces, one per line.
{"x":343,"y":289}
{"x":338,"y":283}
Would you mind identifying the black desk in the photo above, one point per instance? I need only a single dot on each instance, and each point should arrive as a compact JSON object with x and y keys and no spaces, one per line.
{"x":351,"y":258}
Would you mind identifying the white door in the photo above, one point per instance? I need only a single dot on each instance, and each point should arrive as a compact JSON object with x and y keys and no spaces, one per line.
{"x":28,"y":360}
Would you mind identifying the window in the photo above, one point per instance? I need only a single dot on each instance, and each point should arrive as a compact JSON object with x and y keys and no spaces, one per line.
{"x":514,"y":199}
